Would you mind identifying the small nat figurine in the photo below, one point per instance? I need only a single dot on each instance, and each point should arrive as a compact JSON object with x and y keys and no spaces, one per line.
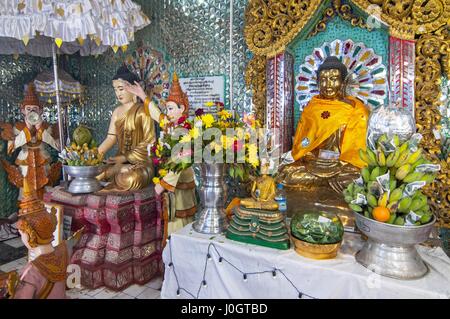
{"x":44,"y":276}
{"x":33,"y":161}
{"x":181,"y":186}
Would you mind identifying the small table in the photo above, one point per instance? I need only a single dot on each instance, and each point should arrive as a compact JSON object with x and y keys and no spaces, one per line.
{"x":208,"y":266}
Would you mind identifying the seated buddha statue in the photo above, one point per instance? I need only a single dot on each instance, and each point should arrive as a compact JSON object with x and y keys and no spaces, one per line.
{"x":133,"y":131}
{"x":329,"y":135}
{"x":263,"y":192}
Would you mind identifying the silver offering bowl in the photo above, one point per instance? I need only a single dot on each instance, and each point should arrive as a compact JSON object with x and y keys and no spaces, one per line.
{"x":390,"y":249}
{"x":84,"y":178}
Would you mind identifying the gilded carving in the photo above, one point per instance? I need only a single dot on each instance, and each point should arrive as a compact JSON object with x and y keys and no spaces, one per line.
{"x":431,"y":64}
{"x":255,"y":78}
{"x":272,"y":24}
{"x":408,"y":18}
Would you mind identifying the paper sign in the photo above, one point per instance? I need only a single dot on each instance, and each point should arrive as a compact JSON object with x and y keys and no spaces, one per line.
{"x":201,"y":90}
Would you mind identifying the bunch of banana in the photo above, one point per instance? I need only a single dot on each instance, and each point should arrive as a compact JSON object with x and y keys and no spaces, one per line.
{"x":402,"y":164}
{"x":81,"y":155}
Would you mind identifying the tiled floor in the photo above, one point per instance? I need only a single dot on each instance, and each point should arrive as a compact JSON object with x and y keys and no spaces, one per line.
{"x":13,"y":248}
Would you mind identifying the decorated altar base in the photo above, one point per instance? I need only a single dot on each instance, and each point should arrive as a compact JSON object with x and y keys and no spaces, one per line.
{"x":121,"y":244}
{"x":237,"y":270}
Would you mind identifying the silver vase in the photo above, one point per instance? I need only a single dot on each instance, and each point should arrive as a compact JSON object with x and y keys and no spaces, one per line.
{"x":390,"y":249}
{"x":210,"y":218}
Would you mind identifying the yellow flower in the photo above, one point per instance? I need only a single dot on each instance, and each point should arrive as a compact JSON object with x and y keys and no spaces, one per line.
{"x":253,"y":155}
{"x":185,"y":139}
{"x":157,"y":153}
{"x":209,"y":104}
{"x":194,"y":132}
{"x":208,"y":120}
{"x":240,"y":133}
{"x":162,"y":123}
{"x":156,"y":180}
{"x":162,"y":172}
{"x":224,"y":115}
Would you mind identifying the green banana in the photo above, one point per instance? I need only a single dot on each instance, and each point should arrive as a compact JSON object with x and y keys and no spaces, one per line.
{"x":414,"y":157}
{"x":355,"y":207}
{"x":400,"y":221}
{"x":365,"y":173}
{"x":375,"y":173}
{"x":383,"y":200}
{"x":363,"y":156}
{"x":426,"y":217}
{"x":392,"y":184}
{"x":418,"y":203}
{"x":396,"y":195}
{"x":372,"y":200}
{"x":420,"y":161}
{"x":404,"y":204}
{"x":412,"y":177}
{"x":383,"y":138}
{"x":402,"y":159}
{"x":392,"y":219}
{"x":381,"y":158}
{"x":403,"y":147}
{"x":372,"y":157}
{"x":396,"y":140}
{"x":428,"y":178}
{"x":403,"y":171}
{"x":393,"y":207}
{"x":392,"y":158}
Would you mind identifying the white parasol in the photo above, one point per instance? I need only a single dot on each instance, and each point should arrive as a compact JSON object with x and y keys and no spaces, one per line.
{"x":41,"y":27}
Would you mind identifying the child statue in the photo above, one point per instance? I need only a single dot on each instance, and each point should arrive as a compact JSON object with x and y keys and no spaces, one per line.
{"x":133,"y":131}
{"x":181,"y":186}
{"x":33,"y":161}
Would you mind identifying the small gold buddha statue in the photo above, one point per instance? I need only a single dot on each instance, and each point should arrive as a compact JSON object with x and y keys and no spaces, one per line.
{"x":263,"y":192}
{"x":133,"y":131}
{"x":329,"y":135}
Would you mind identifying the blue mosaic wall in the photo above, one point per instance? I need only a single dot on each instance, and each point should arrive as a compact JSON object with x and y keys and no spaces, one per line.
{"x":337,"y":29}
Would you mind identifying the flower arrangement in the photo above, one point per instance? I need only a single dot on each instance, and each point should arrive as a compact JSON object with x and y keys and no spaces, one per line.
{"x":218,"y":138}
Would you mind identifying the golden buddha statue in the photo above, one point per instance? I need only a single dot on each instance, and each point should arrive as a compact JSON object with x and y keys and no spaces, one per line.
{"x":133,"y":131}
{"x":331,"y":131}
{"x":263,"y":192}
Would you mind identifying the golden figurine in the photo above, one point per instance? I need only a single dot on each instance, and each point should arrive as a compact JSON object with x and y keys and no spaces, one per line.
{"x":263,"y":192}
{"x":33,"y":161}
{"x":331,"y":131}
{"x":133,"y":131}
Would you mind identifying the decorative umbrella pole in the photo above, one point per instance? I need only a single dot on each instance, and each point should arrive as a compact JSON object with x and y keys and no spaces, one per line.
{"x":58,"y":101}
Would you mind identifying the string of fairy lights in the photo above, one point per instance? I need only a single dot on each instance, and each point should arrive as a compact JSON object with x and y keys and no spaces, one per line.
{"x":221,"y":259}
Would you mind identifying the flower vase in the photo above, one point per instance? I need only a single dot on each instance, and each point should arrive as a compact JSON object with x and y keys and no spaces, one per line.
{"x":211,"y":218}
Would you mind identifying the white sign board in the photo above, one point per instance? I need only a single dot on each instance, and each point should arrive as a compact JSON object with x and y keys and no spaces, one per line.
{"x":203,"y":89}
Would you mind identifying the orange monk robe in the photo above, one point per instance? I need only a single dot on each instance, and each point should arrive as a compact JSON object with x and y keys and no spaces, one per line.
{"x":321,"y":118}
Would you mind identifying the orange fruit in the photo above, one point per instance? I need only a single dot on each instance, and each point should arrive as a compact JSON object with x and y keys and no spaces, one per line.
{"x":381,"y":214}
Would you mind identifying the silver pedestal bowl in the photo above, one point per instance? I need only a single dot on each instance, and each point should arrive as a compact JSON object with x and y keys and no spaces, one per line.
{"x":84,"y":178}
{"x":390,"y":249}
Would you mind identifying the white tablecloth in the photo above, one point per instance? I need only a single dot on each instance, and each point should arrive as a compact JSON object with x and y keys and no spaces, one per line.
{"x":341,"y":277}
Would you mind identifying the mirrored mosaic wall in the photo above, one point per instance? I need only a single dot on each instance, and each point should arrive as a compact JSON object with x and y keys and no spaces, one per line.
{"x":194,"y":37}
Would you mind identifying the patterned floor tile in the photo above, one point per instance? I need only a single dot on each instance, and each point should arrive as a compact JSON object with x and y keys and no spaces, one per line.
{"x":149,"y":293}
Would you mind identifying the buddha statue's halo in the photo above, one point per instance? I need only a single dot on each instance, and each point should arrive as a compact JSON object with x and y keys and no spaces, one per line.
{"x":123,"y":73}
{"x":332,"y":62}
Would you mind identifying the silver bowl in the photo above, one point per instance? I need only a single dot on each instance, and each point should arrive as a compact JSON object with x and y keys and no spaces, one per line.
{"x":84,"y":178}
{"x":390,"y":249}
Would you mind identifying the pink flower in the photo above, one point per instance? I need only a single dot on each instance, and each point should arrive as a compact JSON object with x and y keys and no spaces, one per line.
{"x":156,"y":161}
{"x":237,"y":146}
